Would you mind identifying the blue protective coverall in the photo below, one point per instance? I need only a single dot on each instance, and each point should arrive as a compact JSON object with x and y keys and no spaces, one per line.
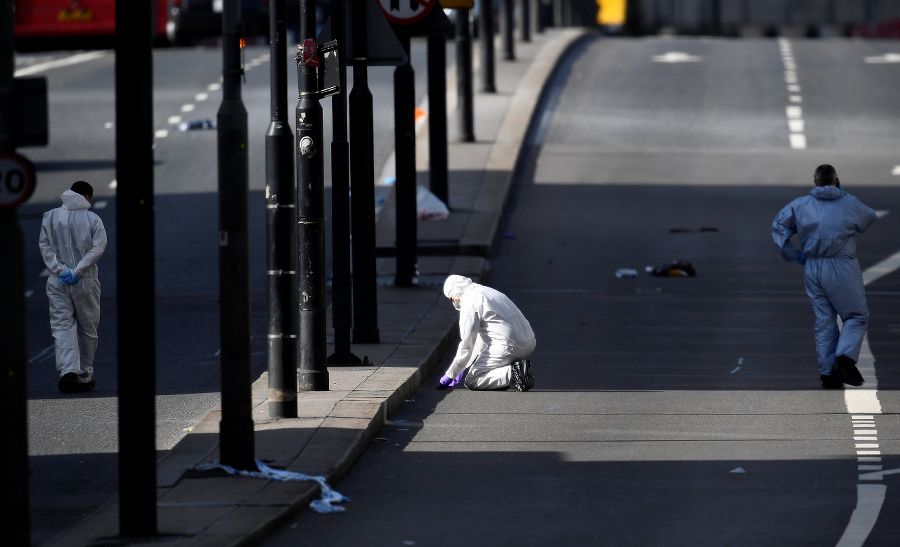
{"x":827,"y":222}
{"x":73,"y":239}
{"x":493,"y":333}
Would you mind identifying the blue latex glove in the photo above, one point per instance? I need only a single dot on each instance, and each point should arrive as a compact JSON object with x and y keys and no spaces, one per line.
{"x":69,"y":279}
{"x":802,"y":259}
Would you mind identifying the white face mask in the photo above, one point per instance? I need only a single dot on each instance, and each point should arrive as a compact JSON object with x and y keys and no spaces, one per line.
{"x":456,"y":304}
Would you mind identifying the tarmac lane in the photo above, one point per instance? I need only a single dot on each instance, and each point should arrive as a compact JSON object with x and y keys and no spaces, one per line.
{"x":666,"y":410}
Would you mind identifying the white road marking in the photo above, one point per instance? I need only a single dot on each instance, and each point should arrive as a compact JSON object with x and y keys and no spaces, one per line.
{"x":59,"y":63}
{"x":875,"y":59}
{"x":863,"y":404}
{"x":677,"y":57}
{"x":869,"y":499}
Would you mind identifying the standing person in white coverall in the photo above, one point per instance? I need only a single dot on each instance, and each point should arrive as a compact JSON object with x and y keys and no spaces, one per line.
{"x":72,"y":241}
{"x":827,"y":222}
{"x":495,"y":339}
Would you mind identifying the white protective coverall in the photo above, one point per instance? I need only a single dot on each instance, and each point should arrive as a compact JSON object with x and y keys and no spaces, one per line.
{"x":73,"y":239}
{"x":493,"y":333}
{"x":827,"y":222}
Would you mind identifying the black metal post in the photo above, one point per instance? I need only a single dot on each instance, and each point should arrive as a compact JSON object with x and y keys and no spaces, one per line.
{"x":405,"y":188}
{"x":136,"y":252}
{"x":437,"y":117}
{"x":509,"y":30}
{"x":236,"y":442}
{"x":15,"y":514}
{"x":342,"y":287}
{"x":362,"y":171}
{"x":14,"y":499}
{"x":525,"y":20}
{"x":281,"y":228}
{"x":540,"y":17}
{"x":486,"y":36}
{"x":465,"y":107}
{"x":312,"y":374}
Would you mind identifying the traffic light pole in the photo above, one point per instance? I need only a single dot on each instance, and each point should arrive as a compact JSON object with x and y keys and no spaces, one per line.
{"x":281,"y":236}
{"x":313,"y":370}
{"x":14,"y":499}
{"x":405,"y":190}
{"x":135,"y":250}
{"x":236,"y":441}
{"x":362,"y":197}
{"x":341,"y":288}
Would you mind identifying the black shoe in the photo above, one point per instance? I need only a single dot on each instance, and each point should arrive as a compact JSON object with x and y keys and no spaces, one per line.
{"x":845,"y":369}
{"x":831,"y":382}
{"x":529,"y":374}
{"x":522,"y":375}
{"x":69,"y":383}
{"x":84,"y":387}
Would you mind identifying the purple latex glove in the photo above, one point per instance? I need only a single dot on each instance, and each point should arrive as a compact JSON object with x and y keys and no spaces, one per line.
{"x":445,"y":382}
{"x":459,"y":378}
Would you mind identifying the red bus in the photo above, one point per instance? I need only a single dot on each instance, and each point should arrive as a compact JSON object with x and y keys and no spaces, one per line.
{"x":74,"y":18}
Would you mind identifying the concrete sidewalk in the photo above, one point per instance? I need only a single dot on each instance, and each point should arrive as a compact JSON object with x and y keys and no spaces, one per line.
{"x":417,"y":326}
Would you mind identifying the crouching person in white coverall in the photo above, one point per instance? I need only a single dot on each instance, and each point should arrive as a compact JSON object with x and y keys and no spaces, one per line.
{"x":495,"y":339}
{"x":72,"y":241}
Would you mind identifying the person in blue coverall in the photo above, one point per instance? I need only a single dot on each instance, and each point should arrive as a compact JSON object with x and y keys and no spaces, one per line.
{"x":827,"y":221}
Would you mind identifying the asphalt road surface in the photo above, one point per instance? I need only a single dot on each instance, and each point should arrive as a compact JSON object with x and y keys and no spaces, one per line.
{"x":73,"y":442}
{"x":666,"y":411}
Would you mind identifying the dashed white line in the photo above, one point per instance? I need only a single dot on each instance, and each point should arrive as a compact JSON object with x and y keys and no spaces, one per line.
{"x":797,"y":136}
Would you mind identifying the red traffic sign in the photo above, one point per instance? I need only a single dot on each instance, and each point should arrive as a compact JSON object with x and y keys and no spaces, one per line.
{"x":16,"y":180}
{"x":406,"y":12}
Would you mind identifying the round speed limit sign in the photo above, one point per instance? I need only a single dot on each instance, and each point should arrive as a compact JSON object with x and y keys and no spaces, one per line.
{"x":16,"y":180}
{"x":406,"y":12}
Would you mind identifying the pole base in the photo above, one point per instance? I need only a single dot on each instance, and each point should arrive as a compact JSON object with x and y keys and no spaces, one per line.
{"x":345,"y":360}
